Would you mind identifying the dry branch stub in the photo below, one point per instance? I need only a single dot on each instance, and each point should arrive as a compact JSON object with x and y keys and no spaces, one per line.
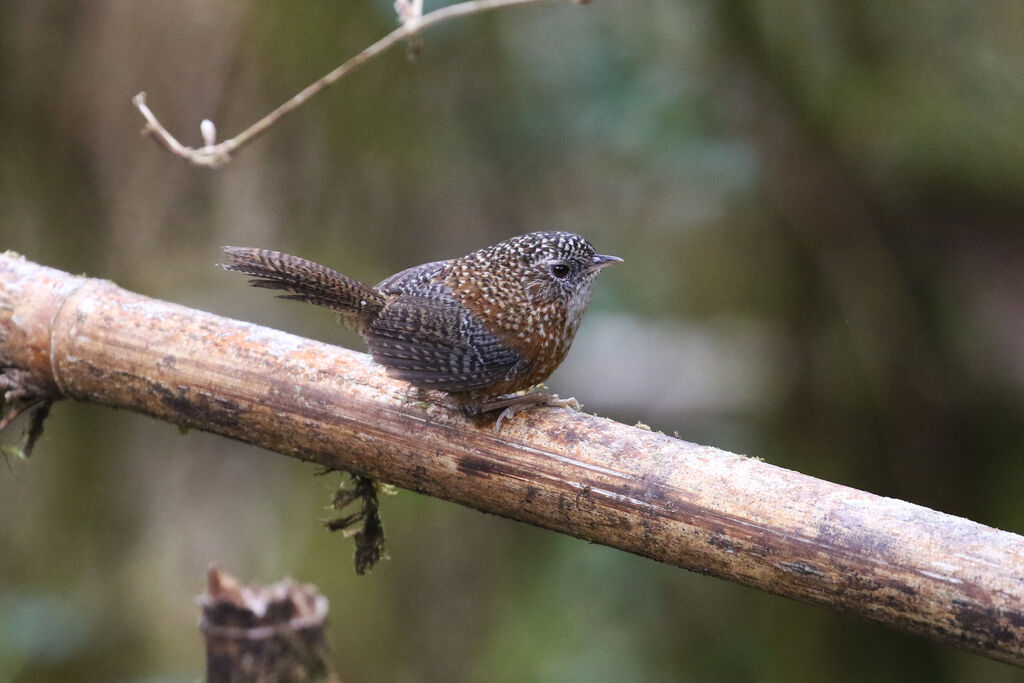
{"x":264,"y":633}
{"x":697,"y":507}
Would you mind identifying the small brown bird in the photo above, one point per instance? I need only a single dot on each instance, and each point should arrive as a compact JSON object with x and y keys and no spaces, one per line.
{"x":481,"y":327}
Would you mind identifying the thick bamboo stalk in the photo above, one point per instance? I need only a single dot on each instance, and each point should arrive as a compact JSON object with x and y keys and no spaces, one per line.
{"x":697,"y":507}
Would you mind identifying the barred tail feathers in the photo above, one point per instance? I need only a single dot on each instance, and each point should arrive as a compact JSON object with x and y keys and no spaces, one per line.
{"x":307,"y":281}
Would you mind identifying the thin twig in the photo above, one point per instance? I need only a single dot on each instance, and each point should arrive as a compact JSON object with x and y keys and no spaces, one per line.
{"x":16,"y":412}
{"x":213,"y":155}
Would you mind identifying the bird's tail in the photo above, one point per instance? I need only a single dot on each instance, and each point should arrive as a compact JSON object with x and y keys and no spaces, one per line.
{"x":307,"y":281}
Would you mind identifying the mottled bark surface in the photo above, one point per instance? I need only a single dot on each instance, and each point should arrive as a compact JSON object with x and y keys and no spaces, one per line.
{"x":697,"y":507}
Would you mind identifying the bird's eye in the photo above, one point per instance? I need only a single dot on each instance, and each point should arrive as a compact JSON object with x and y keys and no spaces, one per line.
{"x":560,"y":270}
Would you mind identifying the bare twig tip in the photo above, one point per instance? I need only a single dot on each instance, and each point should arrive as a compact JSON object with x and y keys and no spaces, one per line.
{"x":409,"y":11}
{"x":209,"y":132}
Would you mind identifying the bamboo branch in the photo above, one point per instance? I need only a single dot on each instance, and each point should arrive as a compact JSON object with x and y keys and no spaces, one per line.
{"x":920,"y":571}
{"x":213,"y":154}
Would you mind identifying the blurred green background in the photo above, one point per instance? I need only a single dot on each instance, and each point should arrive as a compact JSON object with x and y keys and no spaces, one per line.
{"x":820,"y":208}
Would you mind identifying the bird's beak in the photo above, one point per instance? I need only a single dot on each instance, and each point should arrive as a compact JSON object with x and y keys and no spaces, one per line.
{"x":601,"y":260}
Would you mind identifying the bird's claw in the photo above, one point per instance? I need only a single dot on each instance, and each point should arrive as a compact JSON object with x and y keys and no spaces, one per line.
{"x":570,"y":403}
{"x":519,"y":403}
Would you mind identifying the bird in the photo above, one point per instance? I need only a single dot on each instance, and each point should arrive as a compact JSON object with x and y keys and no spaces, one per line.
{"x":486,"y":328}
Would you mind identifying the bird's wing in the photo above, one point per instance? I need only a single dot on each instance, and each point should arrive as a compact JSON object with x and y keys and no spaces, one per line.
{"x":411,"y":278}
{"x":430,"y":340}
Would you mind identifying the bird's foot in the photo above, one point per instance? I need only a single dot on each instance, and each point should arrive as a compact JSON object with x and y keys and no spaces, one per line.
{"x":415,"y":394}
{"x":510,"y":405}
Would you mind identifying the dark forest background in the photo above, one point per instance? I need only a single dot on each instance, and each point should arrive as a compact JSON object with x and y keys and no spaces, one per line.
{"x":820,"y":208}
